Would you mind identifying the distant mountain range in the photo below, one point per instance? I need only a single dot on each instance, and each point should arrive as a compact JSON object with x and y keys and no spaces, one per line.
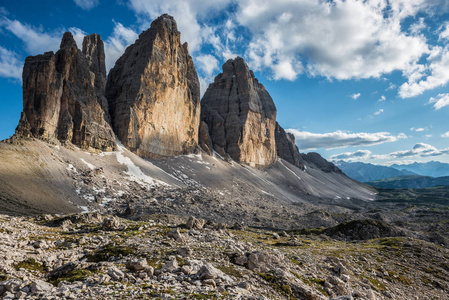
{"x":415,"y":175}
{"x":410,"y":182}
{"x":365,"y":172}
{"x":431,"y":168}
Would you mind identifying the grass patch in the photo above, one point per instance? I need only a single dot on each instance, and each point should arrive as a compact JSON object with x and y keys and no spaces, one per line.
{"x":30,"y":264}
{"x":230,"y":270}
{"x":277,"y":285}
{"x":109,"y":251}
{"x":72,"y":276}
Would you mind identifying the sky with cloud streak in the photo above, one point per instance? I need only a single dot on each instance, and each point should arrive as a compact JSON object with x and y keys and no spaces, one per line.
{"x":351,"y":79}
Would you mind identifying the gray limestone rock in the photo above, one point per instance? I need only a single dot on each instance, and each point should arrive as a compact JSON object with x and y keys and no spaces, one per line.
{"x":240,"y":115}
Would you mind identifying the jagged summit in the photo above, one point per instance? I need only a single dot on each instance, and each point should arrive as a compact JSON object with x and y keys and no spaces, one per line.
{"x":154,"y":93}
{"x":240,"y":115}
{"x":67,"y":41}
{"x":62,"y":100}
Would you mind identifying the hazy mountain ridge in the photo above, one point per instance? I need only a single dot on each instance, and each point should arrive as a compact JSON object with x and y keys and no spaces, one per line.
{"x":366,"y":172}
{"x":431,"y":168}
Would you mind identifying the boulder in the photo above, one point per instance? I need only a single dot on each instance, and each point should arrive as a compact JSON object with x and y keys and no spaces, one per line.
{"x":240,"y":115}
{"x":194,"y":223}
{"x":63,"y":99}
{"x":154,"y":93}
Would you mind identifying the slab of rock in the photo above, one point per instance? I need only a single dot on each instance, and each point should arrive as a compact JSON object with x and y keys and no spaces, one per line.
{"x":240,"y":115}
{"x":286,"y":147}
{"x":154,"y":93}
{"x":63,"y":98}
{"x":194,"y":223}
{"x":116,"y":274}
{"x":40,"y":286}
{"x":137,"y":264}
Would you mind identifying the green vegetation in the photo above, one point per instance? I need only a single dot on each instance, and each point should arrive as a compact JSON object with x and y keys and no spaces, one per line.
{"x":72,"y":276}
{"x":29,"y":264}
{"x":230,"y":270}
{"x":277,"y":285}
{"x":109,"y":251}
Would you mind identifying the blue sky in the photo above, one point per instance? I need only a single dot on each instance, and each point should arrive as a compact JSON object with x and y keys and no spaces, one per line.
{"x":354,"y":80}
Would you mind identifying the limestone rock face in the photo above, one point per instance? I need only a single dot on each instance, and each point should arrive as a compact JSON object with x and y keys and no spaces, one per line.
{"x":240,"y":115}
{"x":62,"y":96}
{"x":320,"y":162}
{"x":154,"y":93}
{"x":286,"y":147}
{"x":204,"y":139}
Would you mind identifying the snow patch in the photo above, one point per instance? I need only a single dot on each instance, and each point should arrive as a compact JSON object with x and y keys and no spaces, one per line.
{"x":134,"y":172}
{"x":85,"y":209}
{"x":90,"y":166}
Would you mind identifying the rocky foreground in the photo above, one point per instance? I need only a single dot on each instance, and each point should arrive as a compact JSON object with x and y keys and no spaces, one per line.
{"x":91,"y":256}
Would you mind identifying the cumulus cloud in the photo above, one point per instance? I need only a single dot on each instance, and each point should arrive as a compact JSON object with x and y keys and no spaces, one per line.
{"x":382,"y":98}
{"x":355,"y":96}
{"x":445,"y":135}
{"x":86,"y":4}
{"x":351,"y":156}
{"x":339,"y":139}
{"x":440,"y":101}
{"x":115,"y":45}
{"x":336,"y":39}
{"x":10,"y":64}
{"x":420,"y":150}
{"x":429,"y":76}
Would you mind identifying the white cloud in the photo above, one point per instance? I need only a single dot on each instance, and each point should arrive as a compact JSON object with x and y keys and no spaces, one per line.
{"x":351,"y":156}
{"x":445,"y":135}
{"x":444,"y":34}
{"x":420,"y":150}
{"x":428,"y":136}
{"x":418,"y":129}
{"x":436,"y":74}
{"x":382,"y":98}
{"x":355,"y":96}
{"x":336,"y":39}
{"x":115,"y":45}
{"x":339,"y":139}
{"x":10,"y":64}
{"x":86,"y":4}
{"x":417,"y":27}
{"x":208,"y":65}
{"x":440,"y":101}
{"x":36,"y":41}
{"x":379,"y":112}
{"x":392,"y":86}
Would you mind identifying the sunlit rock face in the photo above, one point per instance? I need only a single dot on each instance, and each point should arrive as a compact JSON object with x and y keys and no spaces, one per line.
{"x":63,"y":96}
{"x":154,"y":93}
{"x":240,"y":115}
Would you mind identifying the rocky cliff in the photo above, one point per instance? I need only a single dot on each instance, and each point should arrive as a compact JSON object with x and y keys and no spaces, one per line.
{"x":154,"y":93}
{"x":63,"y":95}
{"x":286,"y":147}
{"x":240,"y":115}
